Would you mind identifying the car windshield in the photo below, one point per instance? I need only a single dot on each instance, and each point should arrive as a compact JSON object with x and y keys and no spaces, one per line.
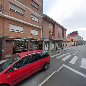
{"x":8,"y":63}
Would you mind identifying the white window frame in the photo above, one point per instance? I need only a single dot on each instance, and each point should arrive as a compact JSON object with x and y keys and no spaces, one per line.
{"x":34,"y":18}
{"x":34,"y":32}
{"x":15,"y":28}
{"x":21,"y":12}
{"x":34,"y":4}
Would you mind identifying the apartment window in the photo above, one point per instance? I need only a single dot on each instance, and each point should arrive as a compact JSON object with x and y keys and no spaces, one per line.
{"x":16,"y":9}
{"x":34,"y":4}
{"x":14,"y":28}
{"x":50,"y":26}
{"x":0,"y":7}
{"x":35,"y":18}
{"x":59,"y":29}
{"x":59,"y":35}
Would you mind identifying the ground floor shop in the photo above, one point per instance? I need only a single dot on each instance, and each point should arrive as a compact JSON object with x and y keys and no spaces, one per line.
{"x":53,"y":44}
{"x":10,"y":46}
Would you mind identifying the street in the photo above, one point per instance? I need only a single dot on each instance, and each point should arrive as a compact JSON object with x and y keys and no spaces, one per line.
{"x":66,"y":69}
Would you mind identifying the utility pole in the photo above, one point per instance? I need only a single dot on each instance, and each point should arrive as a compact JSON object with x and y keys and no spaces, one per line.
{"x":42,"y":28}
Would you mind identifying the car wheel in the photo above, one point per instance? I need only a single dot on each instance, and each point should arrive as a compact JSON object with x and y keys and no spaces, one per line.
{"x":46,"y":66}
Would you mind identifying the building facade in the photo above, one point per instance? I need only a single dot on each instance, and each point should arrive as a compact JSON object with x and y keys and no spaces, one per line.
{"x":74,"y":39}
{"x":54,"y":34}
{"x":20,"y":26}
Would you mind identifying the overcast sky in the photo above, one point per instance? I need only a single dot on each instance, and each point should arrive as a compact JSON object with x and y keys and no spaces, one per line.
{"x":69,"y":13}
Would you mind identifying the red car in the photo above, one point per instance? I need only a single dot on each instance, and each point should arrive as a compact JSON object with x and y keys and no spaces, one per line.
{"x":22,"y":66}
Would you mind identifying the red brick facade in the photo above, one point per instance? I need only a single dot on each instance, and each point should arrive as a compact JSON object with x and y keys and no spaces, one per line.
{"x":53,"y":32}
{"x":26,"y":20}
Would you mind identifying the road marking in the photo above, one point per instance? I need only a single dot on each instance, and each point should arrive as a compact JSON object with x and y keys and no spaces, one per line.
{"x":67,"y":57}
{"x":73,"y":61}
{"x":77,"y":72}
{"x":83,"y":63}
{"x":50,"y":76}
{"x":47,"y":79}
{"x":75,"y":53}
{"x":61,"y":56}
{"x":56,"y":55}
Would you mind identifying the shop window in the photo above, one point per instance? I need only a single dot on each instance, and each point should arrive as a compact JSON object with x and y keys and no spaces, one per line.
{"x":20,"y":47}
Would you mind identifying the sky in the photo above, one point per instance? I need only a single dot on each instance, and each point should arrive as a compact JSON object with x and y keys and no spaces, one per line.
{"x":69,"y":13}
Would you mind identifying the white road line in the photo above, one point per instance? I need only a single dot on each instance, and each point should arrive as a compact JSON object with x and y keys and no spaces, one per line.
{"x":67,"y":57}
{"x":61,"y":56}
{"x":47,"y":79}
{"x":77,"y":72}
{"x":75,"y":53}
{"x":83,"y":63}
{"x":56,"y":55}
{"x":73,"y":61}
{"x":50,"y":76}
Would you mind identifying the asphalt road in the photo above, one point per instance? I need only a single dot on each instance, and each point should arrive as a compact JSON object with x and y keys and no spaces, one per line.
{"x":66,"y":69}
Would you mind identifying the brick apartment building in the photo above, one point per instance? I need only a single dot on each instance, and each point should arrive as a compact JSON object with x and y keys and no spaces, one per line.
{"x":20,"y":26}
{"x":54,"y":34}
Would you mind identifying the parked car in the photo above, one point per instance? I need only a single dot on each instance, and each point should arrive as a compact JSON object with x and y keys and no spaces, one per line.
{"x":22,"y":66}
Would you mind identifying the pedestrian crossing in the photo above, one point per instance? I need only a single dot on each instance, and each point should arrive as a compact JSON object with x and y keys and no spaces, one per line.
{"x":83,"y":63}
{"x":67,"y":57}
{"x":73,"y":59}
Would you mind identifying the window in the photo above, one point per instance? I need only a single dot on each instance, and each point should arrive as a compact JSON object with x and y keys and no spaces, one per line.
{"x":16,"y":9}
{"x":0,"y":7}
{"x":23,"y":62}
{"x":50,"y":26}
{"x":9,"y":63}
{"x":34,"y":32}
{"x":34,"y":4}
{"x":44,"y":54}
{"x":35,"y":57}
{"x":59,"y":35}
{"x":35,"y":18}
{"x":14,"y":28}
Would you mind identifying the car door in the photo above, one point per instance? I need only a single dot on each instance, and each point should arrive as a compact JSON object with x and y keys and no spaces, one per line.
{"x":36,"y":63}
{"x":44,"y":58}
{"x":19,"y":71}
